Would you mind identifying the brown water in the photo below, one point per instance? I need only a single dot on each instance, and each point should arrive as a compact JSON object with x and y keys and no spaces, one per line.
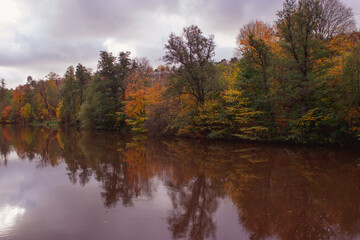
{"x":57,"y":184}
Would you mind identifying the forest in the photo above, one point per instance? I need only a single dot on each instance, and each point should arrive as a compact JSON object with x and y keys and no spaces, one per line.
{"x":296,"y":80}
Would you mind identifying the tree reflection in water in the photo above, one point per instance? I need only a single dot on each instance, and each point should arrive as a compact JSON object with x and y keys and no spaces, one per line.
{"x":281,"y":193}
{"x":193,"y":208}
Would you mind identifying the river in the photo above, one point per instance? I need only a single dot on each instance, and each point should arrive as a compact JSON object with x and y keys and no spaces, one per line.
{"x":66,"y":184}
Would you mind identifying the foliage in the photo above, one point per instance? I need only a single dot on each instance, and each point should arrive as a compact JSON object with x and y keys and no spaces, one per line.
{"x":136,"y":97}
{"x":68,"y":107}
{"x":315,"y":127}
{"x":27,"y":113}
{"x":104,"y":100}
{"x":257,"y":43}
{"x":194,"y":53}
{"x":230,"y":115}
{"x":297,"y":80}
{"x":296,"y":25}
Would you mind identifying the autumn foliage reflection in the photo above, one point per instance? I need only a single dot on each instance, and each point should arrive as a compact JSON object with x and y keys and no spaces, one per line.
{"x":280,"y":192}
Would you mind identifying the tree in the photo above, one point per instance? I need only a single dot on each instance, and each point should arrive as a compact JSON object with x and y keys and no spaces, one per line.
{"x":335,"y":19}
{"x":256,"y":42}
{"x":351,"y":78}
{"x":27,"y":113}
{"x":68,"y":106}
{"x":350,"y":90}
{"x":296,"y":25}
{"x":193,"y":53}
{"x":83,"y":77}
{"x":16,"y":103}
{"x":5,"y":97}
{"x":231,"y":115}
{"x":142,"y":99}
{"x":112,"y":71}
{"x":136,"y":100}
{"x":254,"y":31}
{"x":103,"y":106}
{"x":137,"y":95}
{"x":2,"y":91}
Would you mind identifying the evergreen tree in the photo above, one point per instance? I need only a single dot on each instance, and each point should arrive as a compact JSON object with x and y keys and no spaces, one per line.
{"x":104,"y":100}
{"x":83,"y":78}
{"x":68,"y":105}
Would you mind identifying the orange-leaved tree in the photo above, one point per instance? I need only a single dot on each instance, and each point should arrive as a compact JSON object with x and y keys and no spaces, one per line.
{"x":141,"y":95}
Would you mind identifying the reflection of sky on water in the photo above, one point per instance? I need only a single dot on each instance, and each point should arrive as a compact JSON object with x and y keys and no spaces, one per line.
{"x":199,"y":190}
{"x":33,"y":206}
{"x":8,"y":216}
{"x":21,"y":187}
{"x":56,"y":209}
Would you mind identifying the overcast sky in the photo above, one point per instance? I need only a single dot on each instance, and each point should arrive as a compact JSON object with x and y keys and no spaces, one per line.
{"x":40,"y":36}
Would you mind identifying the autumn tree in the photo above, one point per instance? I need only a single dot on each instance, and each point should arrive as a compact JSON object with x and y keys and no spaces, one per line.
{"x":143,"y":98}
{"x":48,"y":96}
{"x":27,"y":113}
{"x":231,"y":114}
{"x":15,"y":110}
{"x":193,"y":53}
{"x":255,"y":43}
{"x":136,"y":95}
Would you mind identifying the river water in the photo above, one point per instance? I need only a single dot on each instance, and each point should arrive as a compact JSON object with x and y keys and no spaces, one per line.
{"x":65,"y":184}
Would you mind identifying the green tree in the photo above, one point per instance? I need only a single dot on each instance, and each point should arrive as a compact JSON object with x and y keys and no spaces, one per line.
{"x":5,"y":96}
{"x":68,"y":108}
{"x":104,"y":100}
{"x":193,"y":53}
{"x":351,"y":79}
{"x":349,"y":97}
{"x":296,"y":25}
{"x":83,"y":78}
{"x":256,"y":73}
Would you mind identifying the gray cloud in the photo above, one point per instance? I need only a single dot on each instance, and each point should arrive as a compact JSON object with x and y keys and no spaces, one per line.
{"x":42,"y":49}
{"x":50,"y":35}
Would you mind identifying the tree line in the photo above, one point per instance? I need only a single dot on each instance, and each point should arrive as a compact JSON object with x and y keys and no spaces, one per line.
{"x":297,"y":80}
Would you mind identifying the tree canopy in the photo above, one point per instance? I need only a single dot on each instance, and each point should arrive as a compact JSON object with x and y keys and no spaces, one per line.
{"x":296,"y":80}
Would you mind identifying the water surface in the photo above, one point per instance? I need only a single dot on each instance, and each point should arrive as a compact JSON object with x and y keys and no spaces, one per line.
{"x":64,"y":184}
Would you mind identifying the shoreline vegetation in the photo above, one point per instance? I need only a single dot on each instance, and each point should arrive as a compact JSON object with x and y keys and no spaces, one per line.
{"x":297,"y":80}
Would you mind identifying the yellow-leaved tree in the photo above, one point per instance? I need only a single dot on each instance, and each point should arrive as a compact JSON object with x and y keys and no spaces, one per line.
{"x":230,"y":114}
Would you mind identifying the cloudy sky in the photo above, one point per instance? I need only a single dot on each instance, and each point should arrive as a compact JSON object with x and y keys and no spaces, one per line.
{"x":40,"y":36}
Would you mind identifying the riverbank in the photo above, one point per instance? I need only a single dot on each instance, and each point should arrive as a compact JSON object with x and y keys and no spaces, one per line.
{"x":142,"y":136}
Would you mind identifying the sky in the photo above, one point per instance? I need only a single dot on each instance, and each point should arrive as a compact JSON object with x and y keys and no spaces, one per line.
{"x":42,"y":36}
